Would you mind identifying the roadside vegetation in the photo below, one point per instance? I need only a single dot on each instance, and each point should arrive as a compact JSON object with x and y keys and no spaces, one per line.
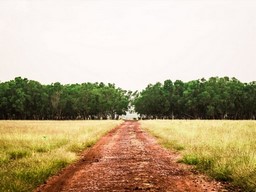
{"x":30,"y":100}
{"x":31,"y":151}
{"x":215,"y":98}
{"x":226,"y":150}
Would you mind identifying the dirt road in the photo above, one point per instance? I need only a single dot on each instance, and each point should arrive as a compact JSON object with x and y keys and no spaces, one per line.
{"x":128,"y":159}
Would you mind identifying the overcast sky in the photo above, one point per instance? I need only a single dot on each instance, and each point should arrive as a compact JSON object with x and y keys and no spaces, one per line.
{"x":127,"y":42}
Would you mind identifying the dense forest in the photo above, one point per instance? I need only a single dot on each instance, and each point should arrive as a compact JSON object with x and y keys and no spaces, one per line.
{"x":27,"y":99}
{"x":216,"y":98}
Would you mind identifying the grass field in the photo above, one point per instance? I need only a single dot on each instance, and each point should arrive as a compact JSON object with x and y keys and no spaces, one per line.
{"x":226,"y":150}
{"x":31,"y":151}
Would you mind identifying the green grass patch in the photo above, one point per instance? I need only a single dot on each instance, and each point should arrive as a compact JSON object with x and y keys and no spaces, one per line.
{"x":190,"y":160}
{"x":31,"y":151}
{"x":225,"y":150}
{"x":18,"y":154}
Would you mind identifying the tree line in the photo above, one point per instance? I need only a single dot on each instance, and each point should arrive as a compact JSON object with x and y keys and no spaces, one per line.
{"x":216,"y":98}
{"x":27,"y":99}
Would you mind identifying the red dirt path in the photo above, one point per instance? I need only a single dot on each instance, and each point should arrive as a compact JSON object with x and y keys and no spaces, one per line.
{"x":128,"y":159}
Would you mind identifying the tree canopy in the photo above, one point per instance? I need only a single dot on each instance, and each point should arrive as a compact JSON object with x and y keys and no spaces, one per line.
{"x":215,"y":98}
{"x":27,"y":99}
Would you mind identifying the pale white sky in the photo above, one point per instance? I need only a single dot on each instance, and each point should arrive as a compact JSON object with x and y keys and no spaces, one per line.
{"x":127,"y":42}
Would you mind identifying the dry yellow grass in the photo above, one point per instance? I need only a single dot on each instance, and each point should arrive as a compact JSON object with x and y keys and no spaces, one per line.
{"x":31,"y":151}
{"x":225,"y":150}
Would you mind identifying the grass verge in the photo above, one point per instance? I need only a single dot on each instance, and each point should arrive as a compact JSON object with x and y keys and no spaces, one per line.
{"x":31,"y":151}
{"x":225,"y":150}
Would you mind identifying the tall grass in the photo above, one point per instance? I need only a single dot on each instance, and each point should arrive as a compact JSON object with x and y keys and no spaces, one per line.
{"x":226,"y":150}
{"x":31,"y":151}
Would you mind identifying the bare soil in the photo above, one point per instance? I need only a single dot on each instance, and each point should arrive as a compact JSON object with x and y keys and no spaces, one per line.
{"x":129,"y":159}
